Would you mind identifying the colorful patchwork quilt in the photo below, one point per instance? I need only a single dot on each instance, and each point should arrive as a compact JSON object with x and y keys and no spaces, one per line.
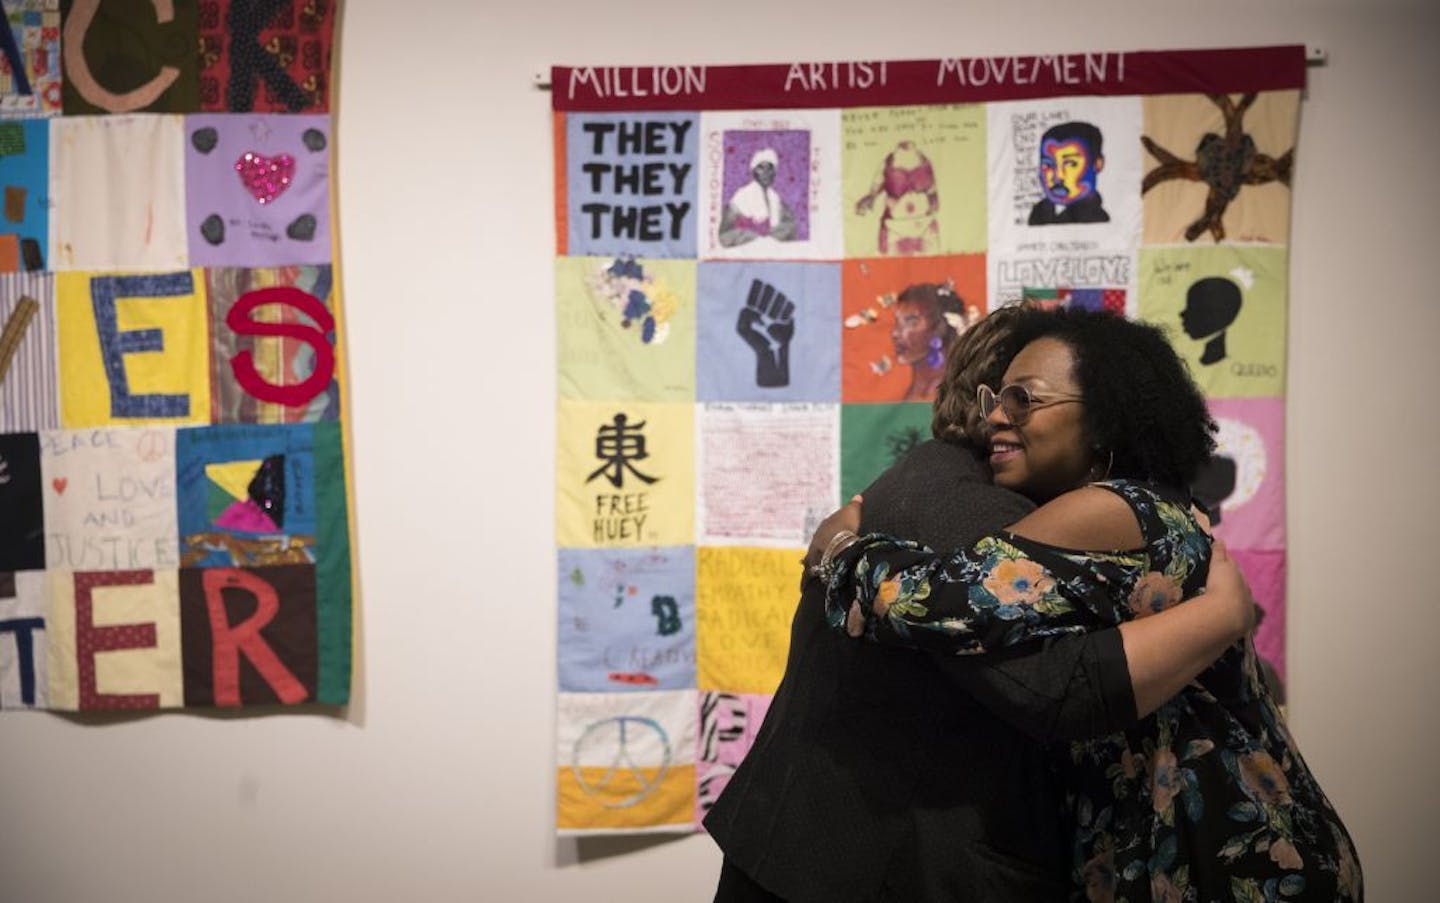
{"x":174,"y":514}
{"x":759,"y":271}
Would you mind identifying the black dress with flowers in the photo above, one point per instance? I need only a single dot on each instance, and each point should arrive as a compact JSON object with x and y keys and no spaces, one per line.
{"x":1206,"y":799}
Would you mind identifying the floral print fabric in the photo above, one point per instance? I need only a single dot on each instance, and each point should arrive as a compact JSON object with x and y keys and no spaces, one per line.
{"x":1206,"y":799}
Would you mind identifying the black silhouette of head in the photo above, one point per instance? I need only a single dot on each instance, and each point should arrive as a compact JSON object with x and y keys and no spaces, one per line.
{"x":1211,"y":305}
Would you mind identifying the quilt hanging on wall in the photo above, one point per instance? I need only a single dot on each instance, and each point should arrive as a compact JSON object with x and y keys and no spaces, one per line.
{"x":758,"y":272}
{"x":174,"y":527}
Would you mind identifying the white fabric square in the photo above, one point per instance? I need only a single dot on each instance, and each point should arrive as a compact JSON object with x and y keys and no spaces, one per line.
{"x":117,"y":186}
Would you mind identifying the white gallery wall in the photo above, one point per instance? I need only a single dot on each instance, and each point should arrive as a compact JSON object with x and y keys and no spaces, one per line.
{"x":437,"y":786}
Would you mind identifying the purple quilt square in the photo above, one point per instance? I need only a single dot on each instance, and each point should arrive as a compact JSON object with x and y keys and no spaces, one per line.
{"x":257,"y":189}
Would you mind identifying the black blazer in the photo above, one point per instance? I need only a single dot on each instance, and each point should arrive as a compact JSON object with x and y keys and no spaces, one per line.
{"x":888,"y":774}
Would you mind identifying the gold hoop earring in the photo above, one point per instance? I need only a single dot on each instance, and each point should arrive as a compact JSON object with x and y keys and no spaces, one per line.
{"x":1109,"y":466}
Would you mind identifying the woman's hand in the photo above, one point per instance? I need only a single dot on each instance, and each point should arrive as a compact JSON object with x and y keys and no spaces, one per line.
{"x":1226,"y":583}
{"x":846,"y":519}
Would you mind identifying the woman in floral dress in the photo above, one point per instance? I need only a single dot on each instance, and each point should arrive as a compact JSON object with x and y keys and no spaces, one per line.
{"x":1206,"y":798}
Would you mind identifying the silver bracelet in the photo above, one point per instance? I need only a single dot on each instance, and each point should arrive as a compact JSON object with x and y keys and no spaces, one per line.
{"x":837,"y":544}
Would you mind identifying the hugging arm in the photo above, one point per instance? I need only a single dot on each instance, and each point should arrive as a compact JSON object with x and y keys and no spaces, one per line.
{"x":974,"y":600}
{"x":1076,"y":686}
{"x":993,"y":595}
{"x":1163,"y":651}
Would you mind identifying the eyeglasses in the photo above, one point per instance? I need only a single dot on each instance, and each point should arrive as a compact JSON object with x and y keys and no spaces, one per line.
{"x":1016,"y":401}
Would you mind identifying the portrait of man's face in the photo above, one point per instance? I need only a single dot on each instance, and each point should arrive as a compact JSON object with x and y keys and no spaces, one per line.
{"x":1067,"y":170}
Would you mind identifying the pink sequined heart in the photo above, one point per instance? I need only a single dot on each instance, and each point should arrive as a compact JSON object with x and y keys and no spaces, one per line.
{"x":266,"y":178}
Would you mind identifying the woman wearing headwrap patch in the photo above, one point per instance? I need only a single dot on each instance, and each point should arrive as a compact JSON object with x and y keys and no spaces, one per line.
{"x":756,"y":209}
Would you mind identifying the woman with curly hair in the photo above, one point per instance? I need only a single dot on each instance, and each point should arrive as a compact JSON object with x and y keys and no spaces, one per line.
{"x":1205,"y":798}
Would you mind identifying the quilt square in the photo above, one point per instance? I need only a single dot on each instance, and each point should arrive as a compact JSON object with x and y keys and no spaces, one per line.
{"x":626,"y":761}
{"x":767,"y":473}
{"x":144,"y":337}
{"x":114,"y":640}
{"x":627,"y":328}
{"x":900,"y":316}
{"x":768,"y":332}
{"x":1225,"y":309}
{"x":770,"y":185}
{"x":626,"y":477}
{"x":1218,"y":168}
{"x":109,"y":499}
{"x":273,"y":345}
{"x":631,"y":184}
{"x":257,"y":189}
{"x":745,"y":599}
{"x":914,"y":180}
{"x":25,"y":181}
{"x":30,"y":79}
{"x":127,"y":57}
{"x":627,"y":619}
{"x":247,"y":495}
{"x":117,"y":187}
{"x":265,"y":57}
{"x":1056,"y":177}
{"x":22,"y":503}
{"x":249,"y":635}
{"x":29,"y":371}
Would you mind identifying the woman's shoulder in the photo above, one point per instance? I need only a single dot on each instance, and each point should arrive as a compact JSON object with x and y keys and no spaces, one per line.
{"x":1175,"y":539}
{"x":1086,"y":519}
